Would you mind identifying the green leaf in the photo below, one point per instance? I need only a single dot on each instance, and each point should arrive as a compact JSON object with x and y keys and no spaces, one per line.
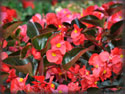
{"x":24,"y":51}
{"x":94,"y":90}
{"x":11,"y":42}
{"x":46,"y":62}
{"x":3,"y":76}
{"x":7,"y":24}
{"x":91,"y":31}
{"x":32,"y":30}
{"x":47,"y":30}
{"x":114,"y":9}
{"x":91,"y":19}
{"x":8,"y":31}
{"x":39,"y":42}
{"x":79,"y":24}
{"x":39,"y":27}
{"x":17,"y":32}
{"x":72,"y":56}
{"x":66,"y":24}
{"x":115,"y":5}
{"x":14,"y":60}
{"x":115,"y":28}
{"x":52,"y":26}
{"x":24,"y":65}
{"x":117,"y":43}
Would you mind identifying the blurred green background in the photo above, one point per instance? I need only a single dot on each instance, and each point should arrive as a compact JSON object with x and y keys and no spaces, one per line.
{"x":45,"y":6}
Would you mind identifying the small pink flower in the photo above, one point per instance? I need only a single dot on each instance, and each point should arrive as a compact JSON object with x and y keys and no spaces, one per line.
{"x":35,"y":53}
{"x":3,"y":55}
{"x":18,"y":84}
{"x":54,"y":56}
{"x":73,"y":87}
{"x":61,"y":89}
{"x":76,"y":32}
{"x":4,"y":44}
{"x":79,"y":40}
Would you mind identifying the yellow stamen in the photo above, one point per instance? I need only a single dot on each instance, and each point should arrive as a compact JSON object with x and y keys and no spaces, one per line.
{"x":120,"y":17}
{"x":75,"y":31}
{"x":58,"y":45}
{"x":87,"y":73}
{"x":110,"y":57}
{"x":68,"y":16}
{"x":21,"y":80}
{"x":104,"y":72}
{"x":52,"y":85}
{"x":60,"y":26}
{"x":99,"y":12}
{"x":81,"y":14}
{"x":96,"y":82}
{"x":53,"y":54}
{"x":60,"y":33}
{"x":96,"y":66}
{"x":29,"y":90}
{"x":60,"y":73}
{"x":121,"y":56}
{"x":64,"y":12}
{"x":60,"y":91}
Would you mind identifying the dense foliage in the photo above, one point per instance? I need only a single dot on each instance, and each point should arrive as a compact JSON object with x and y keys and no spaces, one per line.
{"x":62,"y":52}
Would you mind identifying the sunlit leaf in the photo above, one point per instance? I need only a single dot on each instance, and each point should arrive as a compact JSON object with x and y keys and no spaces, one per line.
{"x":39,"y":42}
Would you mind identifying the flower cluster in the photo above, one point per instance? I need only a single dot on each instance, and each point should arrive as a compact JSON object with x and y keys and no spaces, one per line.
{"x":7,"y":15}
{"x":62,"y":52}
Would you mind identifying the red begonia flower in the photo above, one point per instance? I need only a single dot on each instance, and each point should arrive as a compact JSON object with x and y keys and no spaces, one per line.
{"x":51,"y":18}
{"x":4,"y":67}
{"x":61,"y":89}
{"x":35,"y":53}
{"x":4,"y":44}
{"x":18,"y":84}
{"x":79,"y":40}
{"x":73,"y":87}
{"x":28,"y":3}
{"x":76,"y":32}
{"x":37,"y":18}
{"x":54,"y":56}
{"x":3,"y":55}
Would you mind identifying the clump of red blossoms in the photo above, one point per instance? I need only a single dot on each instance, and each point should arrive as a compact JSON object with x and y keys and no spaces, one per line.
{"x":63,"y":52}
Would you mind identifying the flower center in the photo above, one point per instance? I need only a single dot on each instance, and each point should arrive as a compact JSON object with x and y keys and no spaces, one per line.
{"x":60,"y":26}
{"x":99,"y":13}
{"x":68,"y":16}
{"x":64,"y":12}
{"x":104,"y":72}
{"x":75,"y":31}
{"x":87,"y":73}
{"x":58,"y":45}
{"x":120,"y":17}
{"x":96,"y":66}
{"x":52,"y":85}
{"x":60,"y":91}
{"x":121,"y":56}
{"x":60,"y":73}
{"x":21,"y":80}
{"x":110,"y":57}
{"x":53,"y":54}
{"x":96,"y":82}
{"x":81,"y":14}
